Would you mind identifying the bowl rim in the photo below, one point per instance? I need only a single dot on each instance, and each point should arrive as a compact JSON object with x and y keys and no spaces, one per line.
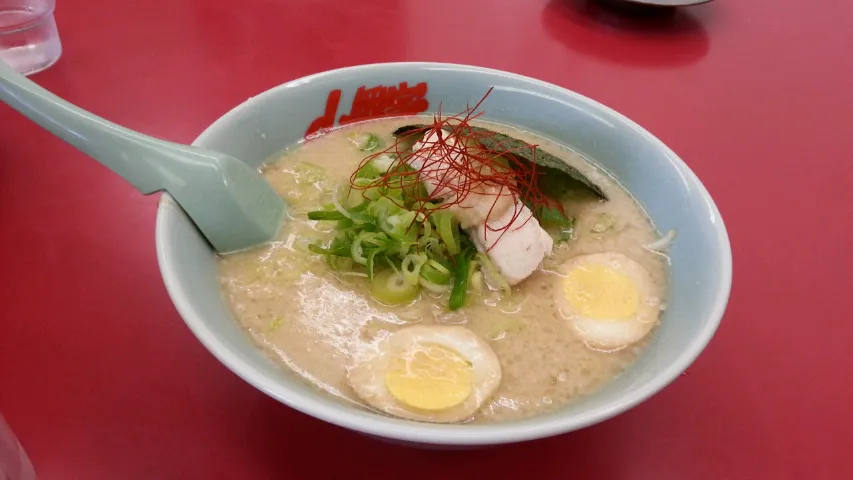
{"x":410,"y":431}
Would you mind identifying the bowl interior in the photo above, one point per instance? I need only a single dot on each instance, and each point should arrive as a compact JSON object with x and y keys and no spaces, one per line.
{"x":700,"y":274}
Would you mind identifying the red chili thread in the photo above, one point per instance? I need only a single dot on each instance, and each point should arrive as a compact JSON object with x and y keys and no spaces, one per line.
{"x":465,"y":168}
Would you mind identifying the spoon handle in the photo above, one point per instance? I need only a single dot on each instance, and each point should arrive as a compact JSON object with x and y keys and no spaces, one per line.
{"x":230,"y":202}
{"x":146,"y":162}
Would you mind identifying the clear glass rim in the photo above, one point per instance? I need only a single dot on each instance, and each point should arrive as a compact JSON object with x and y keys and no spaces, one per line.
{"x":49,"y":7}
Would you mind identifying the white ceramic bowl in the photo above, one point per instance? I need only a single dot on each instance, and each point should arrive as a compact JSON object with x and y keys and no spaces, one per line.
{"x":700,"y":276}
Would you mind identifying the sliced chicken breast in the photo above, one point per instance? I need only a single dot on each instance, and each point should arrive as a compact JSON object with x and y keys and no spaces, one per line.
{"x":516,"y":247}
{"x":440,"y":172}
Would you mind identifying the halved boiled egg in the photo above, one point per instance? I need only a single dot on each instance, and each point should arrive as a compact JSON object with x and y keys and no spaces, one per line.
{"x":439,"y":374}
{"x":610,"y":299}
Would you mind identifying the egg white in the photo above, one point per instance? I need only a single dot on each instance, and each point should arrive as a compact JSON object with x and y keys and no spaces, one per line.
{"x":367,"y":377}
{"x":613,"y":333}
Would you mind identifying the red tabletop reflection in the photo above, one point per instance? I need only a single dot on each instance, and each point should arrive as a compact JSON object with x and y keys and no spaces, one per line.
{"x":100,"y":378}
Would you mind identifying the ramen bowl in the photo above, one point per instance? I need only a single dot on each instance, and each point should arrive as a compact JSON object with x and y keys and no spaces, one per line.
{"x":255,"y":131}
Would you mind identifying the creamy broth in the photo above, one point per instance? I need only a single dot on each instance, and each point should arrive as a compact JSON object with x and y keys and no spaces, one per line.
{"x":314,"y":320}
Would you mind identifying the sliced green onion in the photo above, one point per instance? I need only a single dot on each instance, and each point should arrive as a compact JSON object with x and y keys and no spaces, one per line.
{"x":351,"y":197}
{"x":306,"y":172}
{"x":368,"y":227}
{"x":553,"y":217}
{"x":368,"y":171}
{"x":326,"y":215}
{"x":365,"y":141}
{"x":373,"y":240}
{"x":492,"y":274}
{"x":379,"y":224}
{"x":362,"y":182}
{"x":400,"y":226}
{"x":392,"y":263}
{"x":411,"y":267}
{"x":663,"y":242}
{"x":448,"y":231}
{"x":460,"y":279}
{"x":371,"y":264}
{"x":397,"y":248}
{"x":426,"y":225}
{"x":405,"y":181}
{"x":340,"y":263}
{"x":353,"y":274}
{"x":336,"y":251}
{"x":424,"y":206}
{"x":357,"y":252}
{"x":359,"y":209}
{"x":435,"y":272}
{"x":604,"y":222}
{"x":383,"y":163}
{"x":355,"y":214}
{"x":354,"y":198}
{"x":434,"y":287}
{"x":368,"y":187}
{"x":472,"y":268}
{"x":366,"y":191}
{"x":362,"y":220}
{"x":435,"y":250}
{"x":427,"y":243}
{"x":340,"y":209}
{"x":373,"y":193}
{"x":383,"y":208}
{"x":344,"y":238}
{"x":391,"y":288}
{"x":477,"y":281}
{"x":441,"y":268}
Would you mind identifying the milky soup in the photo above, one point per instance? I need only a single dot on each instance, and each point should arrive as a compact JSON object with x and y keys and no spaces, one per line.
{"x":461,"y":293}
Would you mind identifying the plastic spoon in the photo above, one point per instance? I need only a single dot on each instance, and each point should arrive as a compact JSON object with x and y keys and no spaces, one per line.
{"x":230,"y":203}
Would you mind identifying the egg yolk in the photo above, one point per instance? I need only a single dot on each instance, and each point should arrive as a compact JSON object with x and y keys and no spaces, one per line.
{"x":432,"y":377}
{"x":601,"y":293}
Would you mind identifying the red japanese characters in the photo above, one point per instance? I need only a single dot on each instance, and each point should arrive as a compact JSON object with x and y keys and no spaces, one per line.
{"x":369,"y":103}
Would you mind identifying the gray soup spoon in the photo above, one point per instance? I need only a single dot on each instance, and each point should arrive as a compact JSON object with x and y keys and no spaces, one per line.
{"x":230,"y":202}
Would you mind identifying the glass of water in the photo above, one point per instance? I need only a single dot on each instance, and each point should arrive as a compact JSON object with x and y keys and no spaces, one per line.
{"x":14,"y":464}
{"x":29,"y":41}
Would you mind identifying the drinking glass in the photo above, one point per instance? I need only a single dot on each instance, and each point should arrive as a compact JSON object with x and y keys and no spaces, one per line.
{"x":14,"y":464}
{"x":29,"y":41}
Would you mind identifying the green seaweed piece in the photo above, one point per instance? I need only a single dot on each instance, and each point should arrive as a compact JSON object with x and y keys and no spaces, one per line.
{"x":557,"y":176}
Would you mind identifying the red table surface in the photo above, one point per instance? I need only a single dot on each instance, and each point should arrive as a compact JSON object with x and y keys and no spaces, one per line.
{"x":101,"y":379}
